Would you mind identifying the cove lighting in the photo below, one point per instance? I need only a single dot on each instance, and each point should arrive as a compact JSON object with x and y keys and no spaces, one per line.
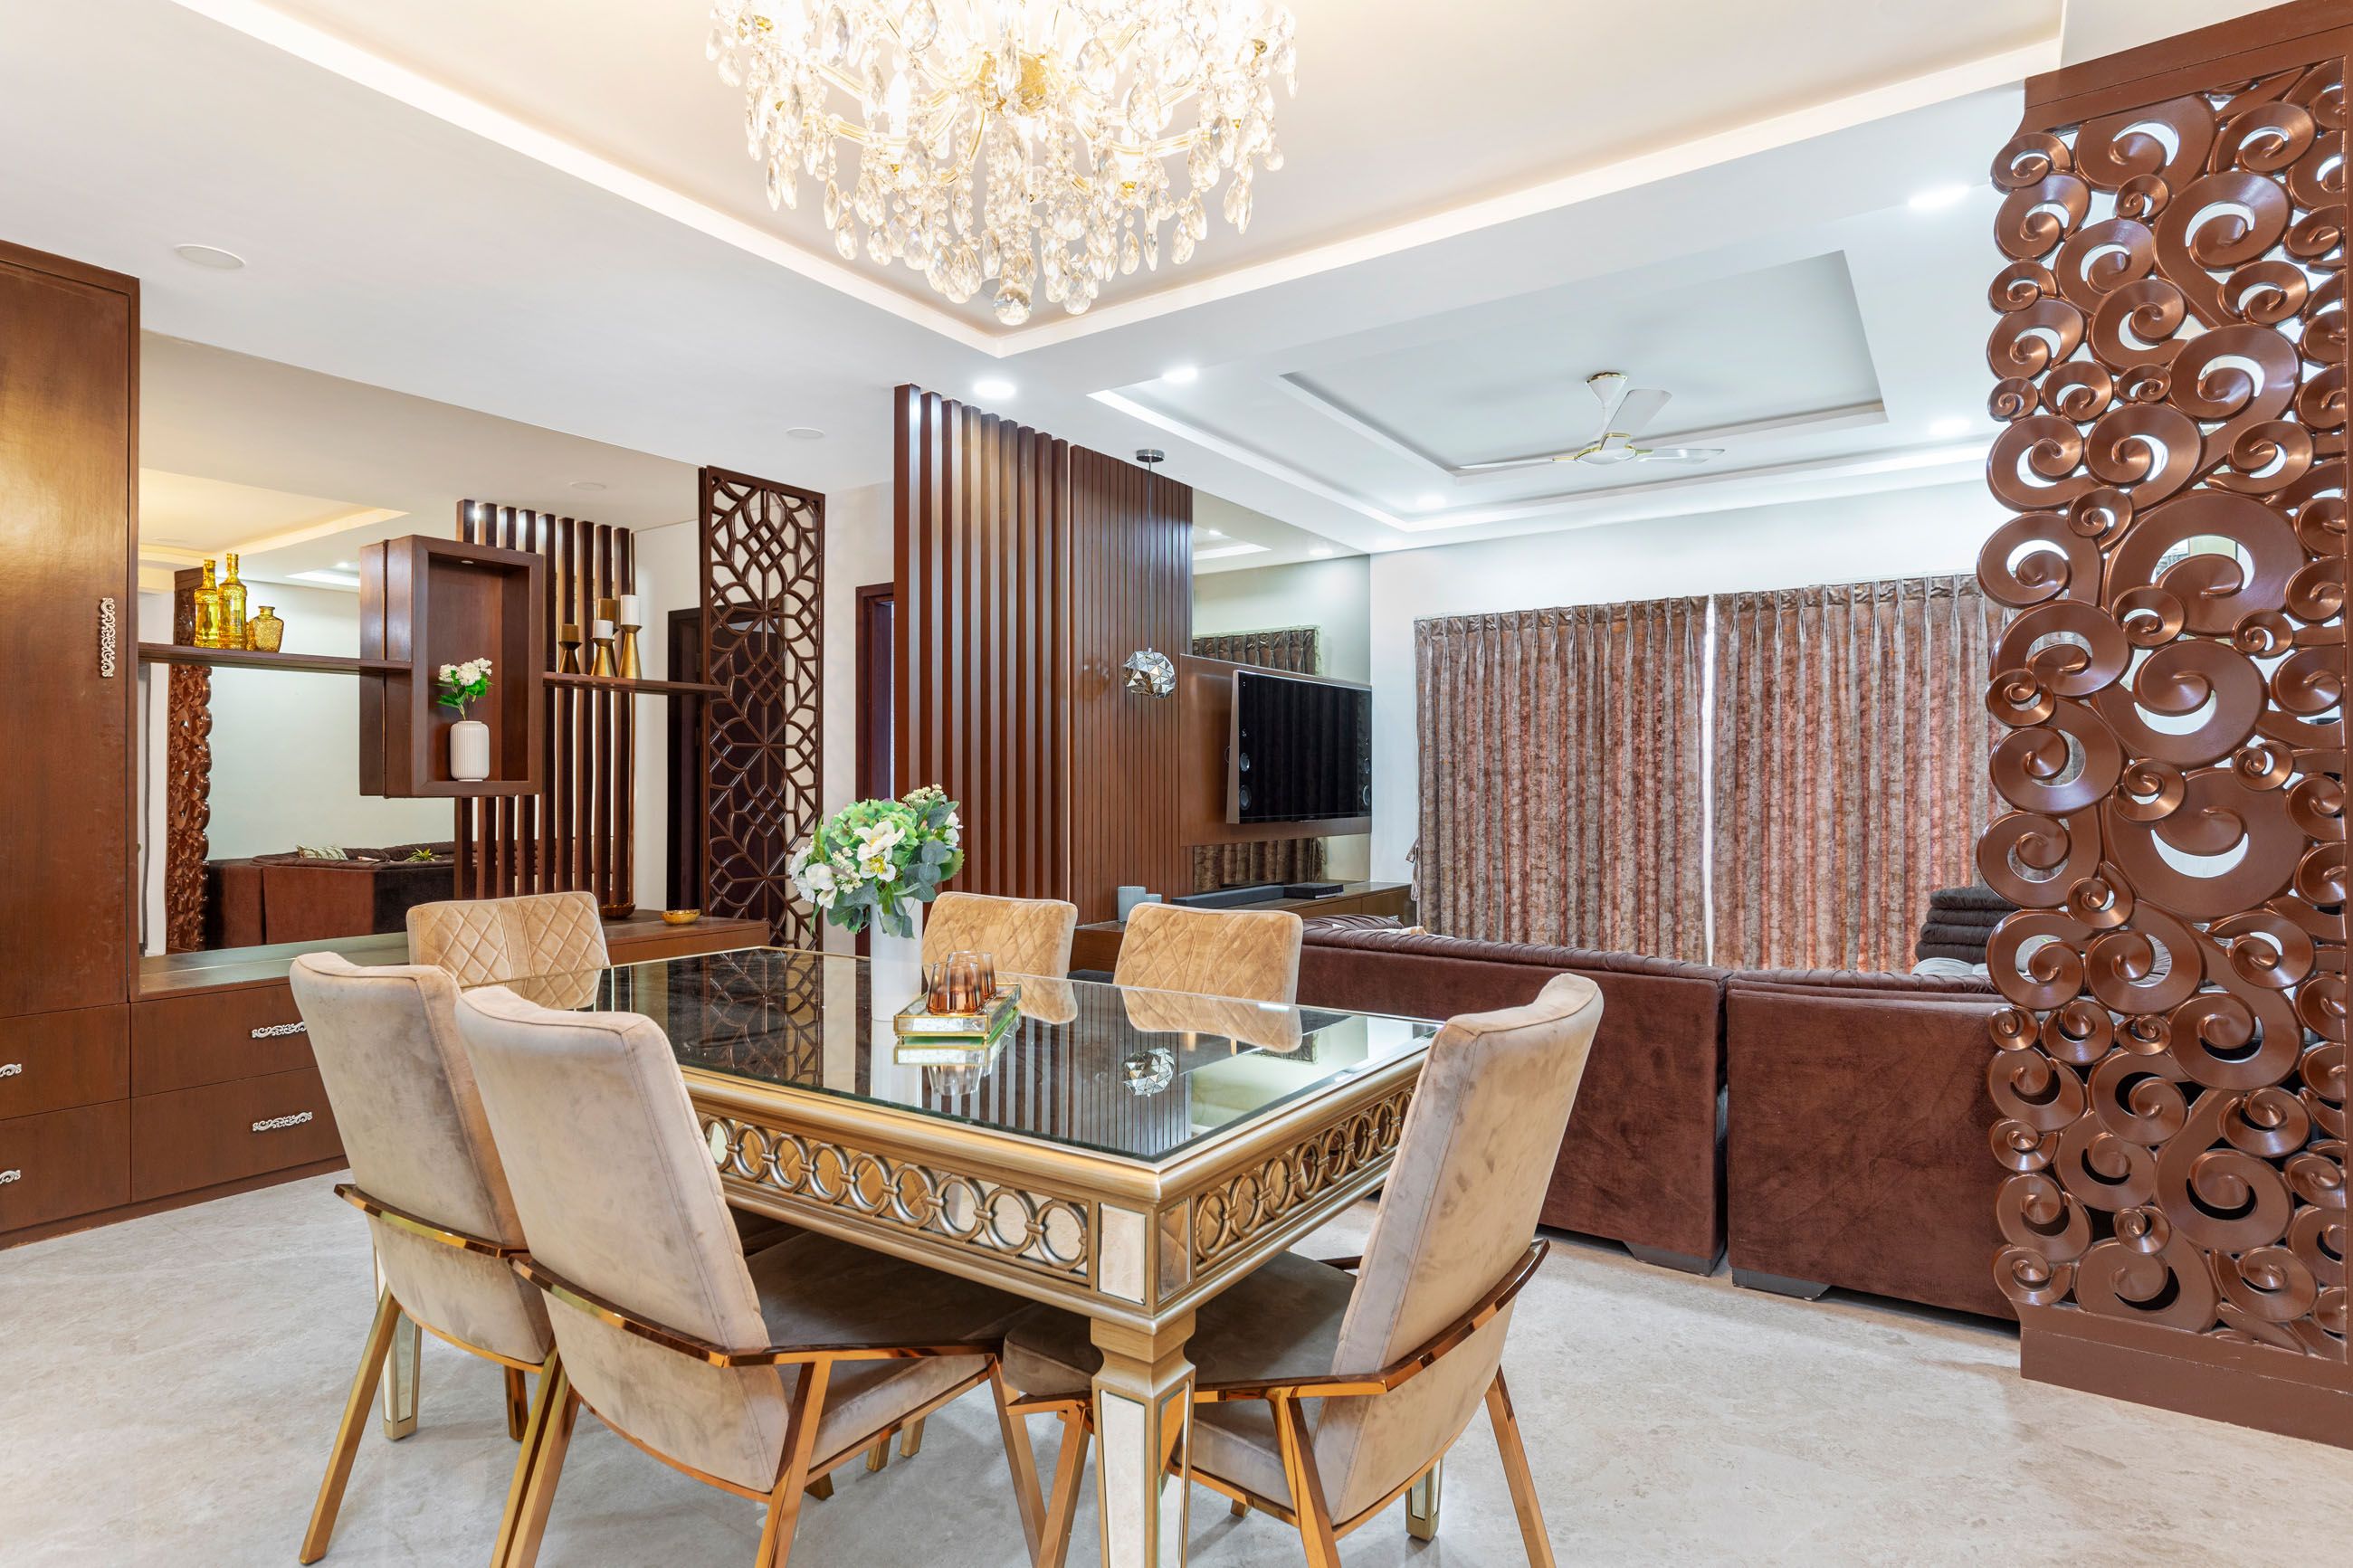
{"x":1429,"y":500}
{"x":1937,"y":197}
{"x":325,"y":579}
{"x":992,"y":388}
{"x":1181,"y":375}
{"x":1223,"y":550}
{"x":1945,"y":429}
{"x":1321,"y":551}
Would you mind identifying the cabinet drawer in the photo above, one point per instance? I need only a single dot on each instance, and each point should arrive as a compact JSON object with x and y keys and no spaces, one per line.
{"x":223,"y":1132}
{"x":54,"y":1060}
{"x":213,"y":1036}
{"x":64,"y":1163}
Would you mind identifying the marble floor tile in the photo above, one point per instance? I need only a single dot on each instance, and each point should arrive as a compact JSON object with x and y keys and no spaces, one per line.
{"x":168,"y":1388}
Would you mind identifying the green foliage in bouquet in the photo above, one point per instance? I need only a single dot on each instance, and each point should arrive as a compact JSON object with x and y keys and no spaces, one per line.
{"x":870,"y":862}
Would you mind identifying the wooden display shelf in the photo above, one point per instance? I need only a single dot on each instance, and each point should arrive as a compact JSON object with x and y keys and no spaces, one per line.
{"x":645,"y":688}
{"x":426,"y":603}
{"x":248,"y":658}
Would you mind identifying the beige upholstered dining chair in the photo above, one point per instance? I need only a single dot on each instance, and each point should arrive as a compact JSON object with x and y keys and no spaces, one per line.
{"x":425,"y":1174}
{"x":1028,"y":936}
{"x":758,"y":1378}
{"x":1250,"y":953}
{"x":1320,"y":1397}
{"x":490,"y":942}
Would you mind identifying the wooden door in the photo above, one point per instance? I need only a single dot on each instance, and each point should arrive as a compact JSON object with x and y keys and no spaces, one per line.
{"x":68,"y":337}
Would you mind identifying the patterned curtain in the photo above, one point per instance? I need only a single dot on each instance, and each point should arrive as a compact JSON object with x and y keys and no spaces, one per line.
{"x":1561,"y":780}
{"x":1850,"y":740}
{"x":1299,"y":649}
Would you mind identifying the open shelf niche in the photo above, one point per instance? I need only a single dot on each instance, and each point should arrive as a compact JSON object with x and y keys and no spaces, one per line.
{"x":424,"y":602}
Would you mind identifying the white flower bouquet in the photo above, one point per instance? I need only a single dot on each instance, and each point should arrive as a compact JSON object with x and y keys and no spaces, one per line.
{"x":464,"y":683}
{"x":872,"y":861}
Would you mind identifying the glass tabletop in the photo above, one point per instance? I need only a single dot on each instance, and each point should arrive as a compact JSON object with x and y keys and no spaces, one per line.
{"x":1142,"y":1075}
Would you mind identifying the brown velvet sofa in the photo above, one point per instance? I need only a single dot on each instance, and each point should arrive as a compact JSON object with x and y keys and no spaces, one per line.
{"x":1643,"y":1161}
{"x":1859,"y":1152}
{"x":292,"y":896}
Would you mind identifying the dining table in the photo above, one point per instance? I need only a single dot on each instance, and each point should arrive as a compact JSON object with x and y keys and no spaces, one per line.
{"x":1122,"y":1153}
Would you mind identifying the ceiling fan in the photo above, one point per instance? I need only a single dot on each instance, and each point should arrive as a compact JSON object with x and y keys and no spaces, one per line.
{"x":1624,"y":415}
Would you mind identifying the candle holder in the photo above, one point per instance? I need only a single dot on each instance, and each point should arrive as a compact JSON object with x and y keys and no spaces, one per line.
{"x":601,"y":638}
{"x":630,"y":668}
{"x":568,"y":643}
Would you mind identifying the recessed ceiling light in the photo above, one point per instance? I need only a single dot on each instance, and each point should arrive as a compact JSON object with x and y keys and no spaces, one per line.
{"x":1429,"y":499}
{"x":345,"y":566}
{"x":1212,"y":534}
{"x":211,"y":256}
{"x":1939,"y":196}
{"x":1944,"y":429}
{"x":992,"y":387}
{"x":588,"y":484}
{"x":804,"y":433}
{"x":1182,"y":374}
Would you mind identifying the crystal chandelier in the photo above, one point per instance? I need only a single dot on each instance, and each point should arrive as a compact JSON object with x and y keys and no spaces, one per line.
{"x":1022,"y":142}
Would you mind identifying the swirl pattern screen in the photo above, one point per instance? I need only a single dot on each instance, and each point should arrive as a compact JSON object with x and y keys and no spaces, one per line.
{"x":2172,"y":357}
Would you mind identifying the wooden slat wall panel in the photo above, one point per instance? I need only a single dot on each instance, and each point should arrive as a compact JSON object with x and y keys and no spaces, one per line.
{"x":579,"y":831}
{"x":1028,"y":570}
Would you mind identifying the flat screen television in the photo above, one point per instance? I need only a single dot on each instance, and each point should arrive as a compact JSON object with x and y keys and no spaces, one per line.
{"x":1300,"y":749}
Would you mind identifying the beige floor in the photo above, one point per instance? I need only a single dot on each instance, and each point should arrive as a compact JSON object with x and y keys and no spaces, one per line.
{"x":168,"y":1387}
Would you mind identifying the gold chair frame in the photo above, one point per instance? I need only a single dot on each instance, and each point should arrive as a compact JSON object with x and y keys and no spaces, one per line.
{"x":802,"y":1470}
{"x":1320,"y":1535}
{"x":377,"y":1349}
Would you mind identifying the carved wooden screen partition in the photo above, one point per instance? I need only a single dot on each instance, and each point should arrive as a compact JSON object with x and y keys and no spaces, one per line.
{"x":580,"y":831}
{"x":187,"y":778}
{"x":2171,"y":352}
{"x":763,"y":552}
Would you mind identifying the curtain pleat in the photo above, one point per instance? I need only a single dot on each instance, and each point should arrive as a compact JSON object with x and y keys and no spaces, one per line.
{"x":1561,"y":782}
{"x":1851,"y":776}
{"x":1299,"y":649}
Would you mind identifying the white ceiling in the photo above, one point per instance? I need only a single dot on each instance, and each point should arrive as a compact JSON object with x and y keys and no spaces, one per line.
{"x":502,"y":206}
{"x":1404,"y":109}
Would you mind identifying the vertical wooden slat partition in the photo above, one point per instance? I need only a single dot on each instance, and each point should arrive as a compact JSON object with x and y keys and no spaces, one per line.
{"x":1028,"y":570}
{"x":579,"y":832}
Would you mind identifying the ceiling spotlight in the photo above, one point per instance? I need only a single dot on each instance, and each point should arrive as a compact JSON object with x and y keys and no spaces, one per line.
{"x":992,"y":387}
{"x":804,"y":433}
{"x":1937,"y":197}
{"x":1181,"y":375}
{"x":588,"y":484}
{"x":1945,"y":429}
{"x":210,"y":256}
{"x":345,"y":566}
{"x":1213,"y":533}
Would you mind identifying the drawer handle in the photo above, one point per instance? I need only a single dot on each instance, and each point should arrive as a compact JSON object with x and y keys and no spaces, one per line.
{"x":275,"y":1123}
{"x":8,"y":1176}
{"x":11,"y":1070}
{"x":275,"y":1031}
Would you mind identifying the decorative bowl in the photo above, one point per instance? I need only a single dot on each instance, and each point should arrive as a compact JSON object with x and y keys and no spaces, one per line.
{"x":681,"y":917}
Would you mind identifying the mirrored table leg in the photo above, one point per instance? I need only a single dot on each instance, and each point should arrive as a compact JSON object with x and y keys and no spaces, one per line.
{"x":1143,"y":1424}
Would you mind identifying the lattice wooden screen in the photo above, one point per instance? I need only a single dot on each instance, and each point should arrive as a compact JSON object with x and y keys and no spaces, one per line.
{"x":580,"y":831}
{"x":2172,"y":356}
{"x":763,"y":550}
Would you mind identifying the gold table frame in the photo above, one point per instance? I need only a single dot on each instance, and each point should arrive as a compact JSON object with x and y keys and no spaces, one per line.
{"x":1133,"y":1246}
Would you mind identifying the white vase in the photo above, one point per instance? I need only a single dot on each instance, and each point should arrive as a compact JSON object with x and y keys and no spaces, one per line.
{"x":470,"y":750}
{"x":895,"y":968}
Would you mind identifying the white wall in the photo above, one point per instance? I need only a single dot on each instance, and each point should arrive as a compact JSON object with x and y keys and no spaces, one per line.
{"x":858,"y":551}
{"x":1896,"y":533}
{"x":2096,"y":27}
{"x":1335,"y":597}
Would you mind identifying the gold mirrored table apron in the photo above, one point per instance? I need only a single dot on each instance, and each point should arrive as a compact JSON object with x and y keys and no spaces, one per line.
{"x":1122,"y":1153}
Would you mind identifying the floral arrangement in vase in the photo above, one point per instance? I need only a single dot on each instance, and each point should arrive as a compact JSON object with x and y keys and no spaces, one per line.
{"x":876,"y":862}
{"x":470,"y":739}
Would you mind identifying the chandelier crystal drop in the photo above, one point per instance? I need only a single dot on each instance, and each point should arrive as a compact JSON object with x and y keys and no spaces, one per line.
{"x":1022,"y":142}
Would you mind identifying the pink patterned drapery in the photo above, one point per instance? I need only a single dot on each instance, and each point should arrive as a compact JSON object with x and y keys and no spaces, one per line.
{"x":1850,"y":747}
{"x":1561,"y":780}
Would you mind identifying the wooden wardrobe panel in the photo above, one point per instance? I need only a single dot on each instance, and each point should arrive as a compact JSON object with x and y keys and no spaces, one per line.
{"x":68,"y":341}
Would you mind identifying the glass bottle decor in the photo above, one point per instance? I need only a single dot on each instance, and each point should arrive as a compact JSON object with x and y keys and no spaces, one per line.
{"x":208,"y":610}
{"x":232,"y":608}
{"x":264,"y":632}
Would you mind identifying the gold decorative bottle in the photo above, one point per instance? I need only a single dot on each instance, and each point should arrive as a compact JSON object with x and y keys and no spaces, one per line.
{"x":208,"y":610}
{"x":232,"y":608}
{"x":264,"y":632}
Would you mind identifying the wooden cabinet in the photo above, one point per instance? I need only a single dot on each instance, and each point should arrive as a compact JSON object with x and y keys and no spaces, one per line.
{"x":57,"y":1060}
{"x":69,"y":367}
{"x":213,"y":1037}
{"x":195,"y":1137}
{"x":64,"y":1164}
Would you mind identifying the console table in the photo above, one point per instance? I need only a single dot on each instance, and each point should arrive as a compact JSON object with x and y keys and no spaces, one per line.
{"x":1096,"y":946}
